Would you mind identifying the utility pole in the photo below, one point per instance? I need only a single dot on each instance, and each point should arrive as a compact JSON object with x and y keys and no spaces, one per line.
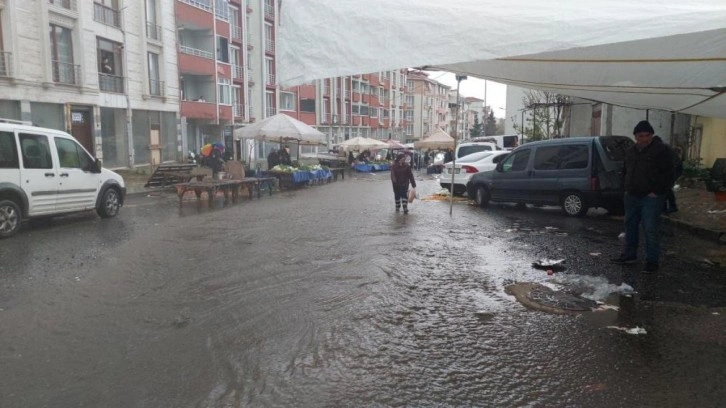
{"x":486,"y":113}
{"x":459,"y":78}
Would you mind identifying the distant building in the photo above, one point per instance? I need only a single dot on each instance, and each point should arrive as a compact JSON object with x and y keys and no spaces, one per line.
{"x":430,"y":105}
{"x":105,"y":74}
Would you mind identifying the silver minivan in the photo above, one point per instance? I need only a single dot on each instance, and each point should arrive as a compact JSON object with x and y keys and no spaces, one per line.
{"x":45,"y":172}
{"x":576,"y":173}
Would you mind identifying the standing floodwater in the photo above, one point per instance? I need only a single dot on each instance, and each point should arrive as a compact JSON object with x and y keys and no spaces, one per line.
{"x":326,"y":297}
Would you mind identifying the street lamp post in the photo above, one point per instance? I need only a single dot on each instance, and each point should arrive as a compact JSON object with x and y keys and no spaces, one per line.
{"x":459,"y":78}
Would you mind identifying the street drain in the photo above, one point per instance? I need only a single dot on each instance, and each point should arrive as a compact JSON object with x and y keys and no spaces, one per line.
{"x":538,"y":297}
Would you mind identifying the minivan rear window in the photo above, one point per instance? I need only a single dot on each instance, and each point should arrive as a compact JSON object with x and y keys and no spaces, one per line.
{"x":616,"y":147}
{"x":8,"y":151}
{"x":561,"y":157}
{"x":464,"y":150}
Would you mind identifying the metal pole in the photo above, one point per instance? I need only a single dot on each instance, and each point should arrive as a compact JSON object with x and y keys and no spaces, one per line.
{"x":129,"y":120}
{"x":459,"y":78}
{"x":486,"y":114}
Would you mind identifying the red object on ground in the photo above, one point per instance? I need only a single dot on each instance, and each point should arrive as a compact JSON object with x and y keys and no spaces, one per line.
{"x":550,"y":272}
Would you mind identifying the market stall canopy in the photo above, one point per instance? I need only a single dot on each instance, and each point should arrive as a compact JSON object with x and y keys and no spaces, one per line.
{"x":438,"y":139}
{"x":281,"y":128}
{"x":362,"y":143}
{"x":395,"y":144}
{"x":663,"y":54}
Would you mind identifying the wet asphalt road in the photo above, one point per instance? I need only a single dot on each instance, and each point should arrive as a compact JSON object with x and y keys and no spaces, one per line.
{"x":324,"y":297}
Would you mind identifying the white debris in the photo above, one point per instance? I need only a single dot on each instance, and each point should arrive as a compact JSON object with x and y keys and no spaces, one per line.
{"x":595,"y":253}
{"x":551,"y":228}
{"x":548,"y":262}
{"x":635,"y":330}
{"x":716,"y":211}
{"x":605,"y":307}
{"x":621,"y":236}
{"x":714,"y":313}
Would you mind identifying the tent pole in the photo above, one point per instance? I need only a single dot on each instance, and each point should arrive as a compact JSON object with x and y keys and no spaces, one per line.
{"x":459,"y":78}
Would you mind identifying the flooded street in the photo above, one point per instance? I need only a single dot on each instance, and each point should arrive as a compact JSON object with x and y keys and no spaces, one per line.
{"x":325,"y":297}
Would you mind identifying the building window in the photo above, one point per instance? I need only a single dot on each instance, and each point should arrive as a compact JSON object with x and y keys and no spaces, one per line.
{"x":355,"y":110}
{"x":66,"y":4}
{"x":234,"y":23}
{"x":222,"y":49}
{"x":106,"y":12}
{"x":269,"y":39}
{"x":270,"y":69}
{"x":225,"y":91}
{"x":110,"y":73}
{"x":61,"y":50}
{"x":221,"y":9}
{"x":156,"y":87}
{"x":373,"y":112}
{"x":364,"y":110}
{"x":270,"y":103}
{"x":153,"y":31}
{"x":287,"y":101}
{"x":307,"y":105}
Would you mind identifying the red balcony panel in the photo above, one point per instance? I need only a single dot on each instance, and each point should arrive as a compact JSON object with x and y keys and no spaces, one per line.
{"x":192,"y":64}
{"x":356,"y":97}
{"x":365,"y":121}
{"x":225,"y":112}
{"x":200,"y":110}
{"x":223,"y":29}
{"x":366,"y":98}
{"x":224,"y":70}
{"x":374,"y":101}
{"x":374,"y":80}
{"x":292,"y":114}
{"x":308,"y":118}
{"x":307,"y":92}
{"x":387,"y":122}
{"x":194,"y":16}
{"x":374,"y":123}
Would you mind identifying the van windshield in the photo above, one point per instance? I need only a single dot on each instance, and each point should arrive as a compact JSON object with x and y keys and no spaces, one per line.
{"x":616,"y":147}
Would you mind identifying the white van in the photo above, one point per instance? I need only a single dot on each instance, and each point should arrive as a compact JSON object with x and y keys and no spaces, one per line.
{"x":462,"y":149}
{"x":45,"y":172}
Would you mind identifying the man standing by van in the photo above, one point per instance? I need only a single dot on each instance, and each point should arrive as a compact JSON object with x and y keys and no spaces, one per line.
{"x":647,"y":177}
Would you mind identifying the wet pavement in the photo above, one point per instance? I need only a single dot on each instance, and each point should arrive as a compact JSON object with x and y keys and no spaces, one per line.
{"x":324,"y":297}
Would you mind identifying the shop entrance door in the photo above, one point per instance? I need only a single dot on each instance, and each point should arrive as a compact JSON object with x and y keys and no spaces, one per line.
{"x":82,"y":127}
{"x":155,"y":145}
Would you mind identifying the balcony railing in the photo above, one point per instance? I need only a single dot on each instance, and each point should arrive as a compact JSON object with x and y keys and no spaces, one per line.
{"x":271,"y":111}
{"x":197,"y":52}
{"x":66,"y":73}
{"x":6,"y":64}
{"x":238,"y":110}
{"x":111,"y":83}
{"x":270,"y":46}
{"x":202,"y":4}
{"x":153,"y":31}
{"x":269,"y":10}
{"x":156,"y":87}
{"x":270,"y":79}
{"x":106,"y":15}
{"x":238,"y":72}
{"x":251,"y":112}
{"x":66,"y":4}
{"x":236,"y":32}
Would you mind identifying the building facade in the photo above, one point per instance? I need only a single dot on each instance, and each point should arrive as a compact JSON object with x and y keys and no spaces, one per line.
{"x":102,"y":70}
{"x":430,"y":105}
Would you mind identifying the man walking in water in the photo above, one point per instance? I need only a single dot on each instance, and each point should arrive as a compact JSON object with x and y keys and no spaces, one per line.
{"x":401,"y":175}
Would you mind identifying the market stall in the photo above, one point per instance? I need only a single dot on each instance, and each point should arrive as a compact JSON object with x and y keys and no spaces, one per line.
{"x":297,"y":176}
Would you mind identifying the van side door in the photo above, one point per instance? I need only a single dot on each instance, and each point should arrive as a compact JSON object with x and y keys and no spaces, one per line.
{"x":9,"y":161}
{"x":560,"y":168}
{"x":77,"y":184}
{"x":39,"y":173}
{"x":511,"y":181}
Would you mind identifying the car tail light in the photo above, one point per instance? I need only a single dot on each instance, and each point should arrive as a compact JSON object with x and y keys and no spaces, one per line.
{"x":594,"y":184}
{"x":469,"y":169}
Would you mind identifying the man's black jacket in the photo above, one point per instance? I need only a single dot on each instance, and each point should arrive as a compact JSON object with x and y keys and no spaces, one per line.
{"x":649,"y":170}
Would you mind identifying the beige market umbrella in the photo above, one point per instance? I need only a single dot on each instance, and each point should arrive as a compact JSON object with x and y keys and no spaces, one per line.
{"x":362,"y":143}
{"x":438,"y":139}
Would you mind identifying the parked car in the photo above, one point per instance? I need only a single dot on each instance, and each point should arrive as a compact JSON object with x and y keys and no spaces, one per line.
{"x":467,"y":148}
{"x":45,"y":172}
{"x":467,"y":166}
{"x":577,"y":173}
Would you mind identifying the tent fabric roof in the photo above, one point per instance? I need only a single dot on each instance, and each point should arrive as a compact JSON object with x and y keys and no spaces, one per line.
{"x":281,"y":127}
{"x":663,"y":54}
{"x":438,"y":139}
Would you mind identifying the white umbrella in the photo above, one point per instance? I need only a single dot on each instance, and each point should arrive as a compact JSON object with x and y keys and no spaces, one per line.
{"x":281,"y":128}
{"x":436,"y":140}
{"x":362,"y":143}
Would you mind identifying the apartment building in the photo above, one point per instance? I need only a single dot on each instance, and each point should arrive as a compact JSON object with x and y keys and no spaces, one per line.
{"x":102,"y":70}
{"x":369,"y":105}
{"x":430,"y":105}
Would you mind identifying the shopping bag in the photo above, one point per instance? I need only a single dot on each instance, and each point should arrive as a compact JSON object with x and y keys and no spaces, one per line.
{"x":411,"y":195}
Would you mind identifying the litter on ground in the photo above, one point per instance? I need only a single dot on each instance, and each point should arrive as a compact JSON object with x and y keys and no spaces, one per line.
{"x":635,"y":330}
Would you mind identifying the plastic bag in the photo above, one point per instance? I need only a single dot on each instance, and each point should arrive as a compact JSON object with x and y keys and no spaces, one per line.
{"x":411,"y":195}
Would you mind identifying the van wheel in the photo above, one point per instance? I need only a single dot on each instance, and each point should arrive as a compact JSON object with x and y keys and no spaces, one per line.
{"x":574,"y":204}
{"x":482,"y":196}
{"x":110,"y":204}
{"x":10,"y":218}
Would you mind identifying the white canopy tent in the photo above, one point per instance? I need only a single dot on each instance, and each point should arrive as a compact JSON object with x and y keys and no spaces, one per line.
{"x":663,"y":54}
{"x":281,"y":128}
{"x":362,"y":143}
{"x":438,"y":139}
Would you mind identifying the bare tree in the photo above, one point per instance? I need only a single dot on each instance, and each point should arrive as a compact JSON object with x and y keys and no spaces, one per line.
{"x":547,"y":113}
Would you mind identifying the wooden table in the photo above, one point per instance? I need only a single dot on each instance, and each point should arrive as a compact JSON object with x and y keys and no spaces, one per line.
{"x":227,"y":187}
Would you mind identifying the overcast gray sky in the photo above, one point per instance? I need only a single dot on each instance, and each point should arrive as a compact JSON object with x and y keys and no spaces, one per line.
{"x":496,"y":92}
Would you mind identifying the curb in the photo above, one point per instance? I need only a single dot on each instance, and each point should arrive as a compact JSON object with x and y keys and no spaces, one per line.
{"x":717,"y":236}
